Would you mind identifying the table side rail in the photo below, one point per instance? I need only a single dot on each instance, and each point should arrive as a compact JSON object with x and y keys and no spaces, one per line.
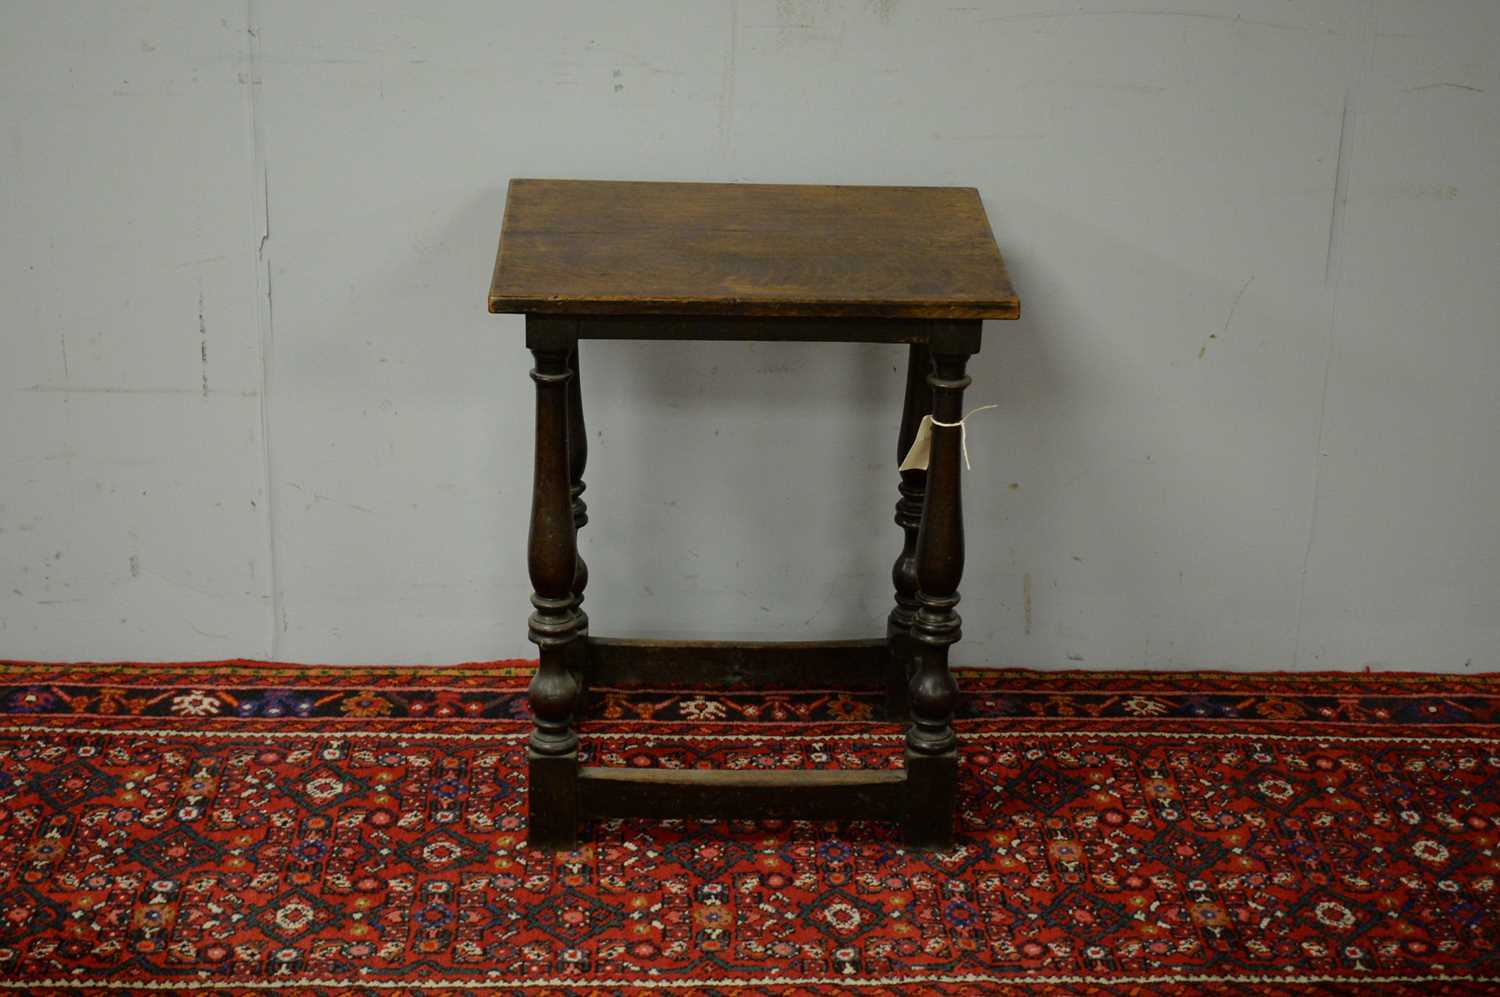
{"x":727,"y":794}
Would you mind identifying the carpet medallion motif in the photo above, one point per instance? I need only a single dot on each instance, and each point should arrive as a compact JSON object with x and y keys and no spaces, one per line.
{"x":239,"y":827}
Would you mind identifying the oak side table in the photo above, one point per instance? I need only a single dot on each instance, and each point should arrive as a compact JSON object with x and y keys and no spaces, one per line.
{"x":679,"y":261}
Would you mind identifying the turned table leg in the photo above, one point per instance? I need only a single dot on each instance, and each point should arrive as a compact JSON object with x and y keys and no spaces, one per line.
{"x":556,"y":624}
{"x":913,"y":487}
{"x":578,"y":458}
{"x":931,"y":747}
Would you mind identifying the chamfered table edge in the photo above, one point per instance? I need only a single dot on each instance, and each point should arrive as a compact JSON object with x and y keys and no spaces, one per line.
{"x":751,"y":308}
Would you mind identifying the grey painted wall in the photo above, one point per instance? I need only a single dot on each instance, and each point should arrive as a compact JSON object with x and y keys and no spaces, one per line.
{"x":250,"y":403}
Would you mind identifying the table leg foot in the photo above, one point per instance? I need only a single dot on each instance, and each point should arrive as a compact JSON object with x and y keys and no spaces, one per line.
{"x":931,"y":796}
{"x":552,"y":817}
{"x":898,"y":675}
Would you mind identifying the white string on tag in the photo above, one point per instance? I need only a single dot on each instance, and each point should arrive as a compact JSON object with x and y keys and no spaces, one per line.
{"x":917,"y":457}
{"x":963,"y":432}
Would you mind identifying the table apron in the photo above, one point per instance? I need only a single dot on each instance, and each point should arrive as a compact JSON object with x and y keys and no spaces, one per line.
{"x":955,"y":336}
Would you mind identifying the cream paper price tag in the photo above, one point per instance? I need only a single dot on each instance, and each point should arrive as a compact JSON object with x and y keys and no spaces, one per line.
{"x":921,"y":448}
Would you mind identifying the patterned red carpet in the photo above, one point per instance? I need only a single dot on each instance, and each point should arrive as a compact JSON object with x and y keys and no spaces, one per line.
{"x":248,"y":828}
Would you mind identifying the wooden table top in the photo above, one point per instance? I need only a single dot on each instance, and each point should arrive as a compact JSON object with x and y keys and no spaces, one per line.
{"x":588,"y":247}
